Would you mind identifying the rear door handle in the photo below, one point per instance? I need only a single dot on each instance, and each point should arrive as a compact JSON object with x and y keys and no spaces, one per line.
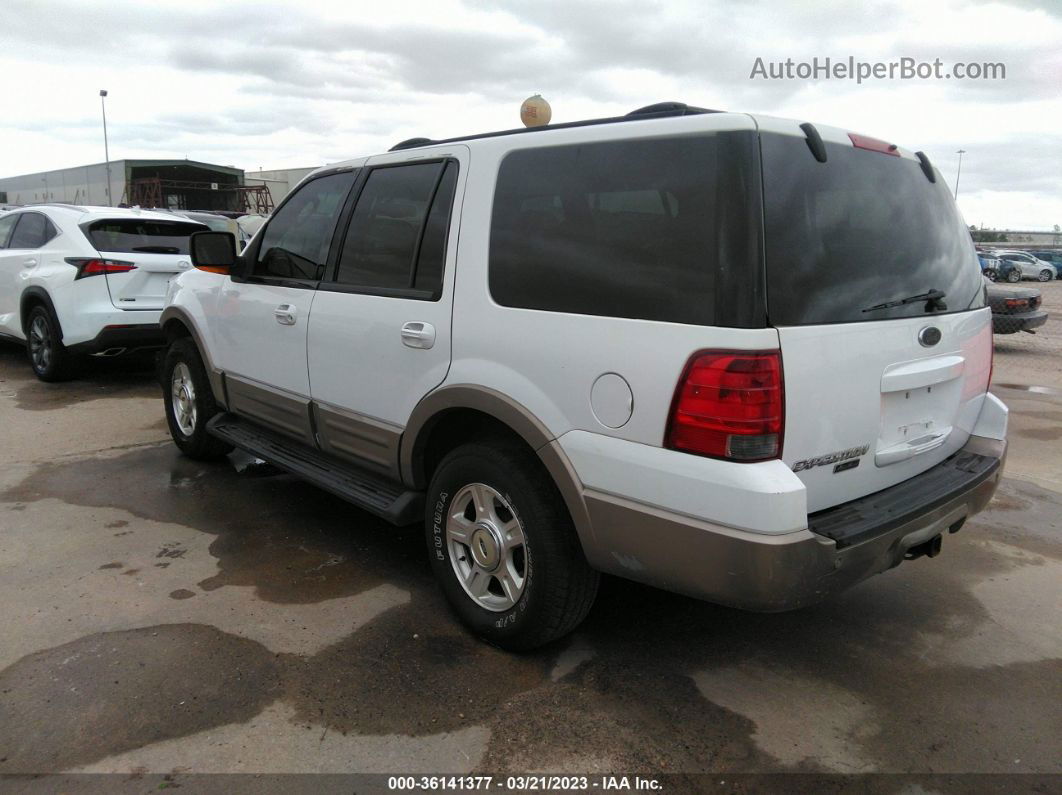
{"x":417,"y":334}
{"x":29,"y":263}
{"x":285,"y":314}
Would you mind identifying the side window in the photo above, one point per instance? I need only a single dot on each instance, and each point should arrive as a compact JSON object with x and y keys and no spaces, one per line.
{"x":432,"y":256}
{"x":33,"y":231}
{"x":296,"y":242}
{"x":648,"y":229}
{"x":7,"y":223}
{"x":387,"y":226}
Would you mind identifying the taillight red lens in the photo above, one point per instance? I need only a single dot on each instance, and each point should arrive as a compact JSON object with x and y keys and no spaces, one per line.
{"x":1016,"y":303}
{"x":87,"y":266}
{"x":729,"y":404}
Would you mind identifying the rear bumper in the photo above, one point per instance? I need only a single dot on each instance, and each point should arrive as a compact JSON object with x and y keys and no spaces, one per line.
{"x":1024,"y":321}
{"x":114,"y":340}
{"x":782,"y":572}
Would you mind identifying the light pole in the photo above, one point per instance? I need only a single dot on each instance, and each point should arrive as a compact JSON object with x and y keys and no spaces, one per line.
{"x":106,"y":151}
{"x":958,"y":173}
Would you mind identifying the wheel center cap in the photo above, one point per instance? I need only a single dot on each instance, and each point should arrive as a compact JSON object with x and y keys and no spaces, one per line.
{"x":486,"y":549}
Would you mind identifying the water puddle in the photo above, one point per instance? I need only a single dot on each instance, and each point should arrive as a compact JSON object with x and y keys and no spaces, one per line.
{"x":1039,"y":390}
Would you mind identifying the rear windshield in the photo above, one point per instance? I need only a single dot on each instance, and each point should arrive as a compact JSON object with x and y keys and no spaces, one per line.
{"x":129,"y":235}
{"x":862,"y":229}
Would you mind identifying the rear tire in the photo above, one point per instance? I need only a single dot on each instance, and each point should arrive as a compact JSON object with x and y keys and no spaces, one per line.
{"x":190,"y":402}
{"x":1014,"y":276}
{"x":990,"y":274}
{"x":503,"y":547}
{"x":48,"y":356}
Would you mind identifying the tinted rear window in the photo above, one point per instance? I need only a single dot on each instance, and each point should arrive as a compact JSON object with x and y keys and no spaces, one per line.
{"x":861,"y":229}
{"x":657,"y":229}
{"x":129,"y":235}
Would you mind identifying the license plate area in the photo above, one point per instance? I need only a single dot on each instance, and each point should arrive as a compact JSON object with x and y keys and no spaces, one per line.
{"x":916,"y":421}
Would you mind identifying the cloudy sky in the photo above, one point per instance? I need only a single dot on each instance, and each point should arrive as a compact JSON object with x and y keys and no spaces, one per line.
{"x":304,"y":82}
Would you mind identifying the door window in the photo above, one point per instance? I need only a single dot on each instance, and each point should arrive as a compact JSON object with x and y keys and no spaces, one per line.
{"x":33,"y":231}
{"x":396,"y":238}
{"x":6,"y":225}
{"x":296,"y":241}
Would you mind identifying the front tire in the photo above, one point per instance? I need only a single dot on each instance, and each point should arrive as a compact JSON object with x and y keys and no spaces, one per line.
{"x":991,"y":275}
{"x":1014,"y":276}
{"x":44,"y":345}
{"x":1045,"y":275}
{"x":190,"y":402}
{"x":503,"y":547}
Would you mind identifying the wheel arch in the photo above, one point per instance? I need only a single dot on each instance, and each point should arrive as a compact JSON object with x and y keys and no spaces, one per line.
{"x":439,"y":418}
{"x":31,"y":297}
{"x":177,"y":324}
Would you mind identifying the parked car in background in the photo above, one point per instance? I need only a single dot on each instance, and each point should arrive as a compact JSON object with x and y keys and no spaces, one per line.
{"x":995,"y":269}
{"x":1031,"y":267}
{"x":86,"y":280}
{"x":1054,"y":257}
{"x":1015,"y":309}
{"x":250,"y":224}
{"x":589,"y":382}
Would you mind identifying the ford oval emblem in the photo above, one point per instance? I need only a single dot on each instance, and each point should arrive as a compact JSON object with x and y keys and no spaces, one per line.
{"x":929,"y":336}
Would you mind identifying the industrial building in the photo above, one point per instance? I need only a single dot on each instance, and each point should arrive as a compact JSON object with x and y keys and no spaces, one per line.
{"x":279,"y":182}
{"x":172,"y":184}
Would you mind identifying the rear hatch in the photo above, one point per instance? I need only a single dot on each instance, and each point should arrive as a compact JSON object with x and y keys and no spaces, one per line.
{"x":876,"y":390}
{"x":157,"y":248}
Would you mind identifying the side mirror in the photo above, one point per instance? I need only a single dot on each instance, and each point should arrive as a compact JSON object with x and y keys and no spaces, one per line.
{"x":213,"y":251}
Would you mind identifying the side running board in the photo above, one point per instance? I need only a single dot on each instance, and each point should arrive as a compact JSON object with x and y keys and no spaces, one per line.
{"x":374,"y":493}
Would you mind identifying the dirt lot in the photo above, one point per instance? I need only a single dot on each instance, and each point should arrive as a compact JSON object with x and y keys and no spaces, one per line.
{"x":174,"y":617}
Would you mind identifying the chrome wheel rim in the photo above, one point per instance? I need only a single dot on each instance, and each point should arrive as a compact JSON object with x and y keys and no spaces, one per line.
{"x":182,"y":397}
{"x":488,"y":552}
{"x":40,"y":343}
{"x":1045,"y":276}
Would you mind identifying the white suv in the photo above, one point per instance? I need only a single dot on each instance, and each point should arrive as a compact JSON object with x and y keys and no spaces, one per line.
{"x":1030,"y":266}
{"x":86,"y":280}
{"x":732,"y":356}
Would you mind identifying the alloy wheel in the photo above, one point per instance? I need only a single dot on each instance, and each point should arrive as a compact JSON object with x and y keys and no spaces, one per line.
{"x":182,"y":397}
{"x":40,"y":343}
{"x":487,"y":548}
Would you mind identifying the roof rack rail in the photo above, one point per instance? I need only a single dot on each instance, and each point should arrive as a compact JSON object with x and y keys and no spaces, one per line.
{"x":668,"y":109}
{"x":658,"y":111}
{"x":410,"y":143}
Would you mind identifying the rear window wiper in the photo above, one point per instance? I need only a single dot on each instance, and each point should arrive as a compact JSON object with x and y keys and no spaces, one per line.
{"x":934,"y":300}
{"x":158,"y":249}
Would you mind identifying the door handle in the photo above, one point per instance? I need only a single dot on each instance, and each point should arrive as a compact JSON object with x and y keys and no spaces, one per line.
{"x":416,"y":334}
{"x":285,"y":314}
{"x":29,"y":263}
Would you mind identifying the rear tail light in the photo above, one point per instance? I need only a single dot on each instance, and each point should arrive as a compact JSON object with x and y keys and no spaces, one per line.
{"x":1017,"y":303}
{"x":729,"y":404}
{"x":94,"y":266}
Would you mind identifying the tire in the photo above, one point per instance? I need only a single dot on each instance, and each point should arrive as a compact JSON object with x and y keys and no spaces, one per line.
{"x":990,"y":274}
{"x":189,"y":402}
{"x":519,"y":579}
{"x":1045,"y":275}
{"x":1014,"y":276}
{"x":48,"y":356}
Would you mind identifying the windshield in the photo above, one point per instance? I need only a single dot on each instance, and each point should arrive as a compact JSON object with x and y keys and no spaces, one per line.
{"x":129,"y":235}
{"x":860,"y":230}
